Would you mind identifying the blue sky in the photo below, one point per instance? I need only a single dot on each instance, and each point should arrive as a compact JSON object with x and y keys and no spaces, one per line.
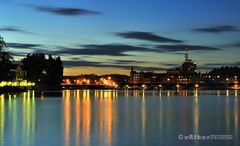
{"x":109,"y":36}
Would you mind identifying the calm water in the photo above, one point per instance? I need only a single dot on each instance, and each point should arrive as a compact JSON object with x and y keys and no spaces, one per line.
{"x":119,"y":118}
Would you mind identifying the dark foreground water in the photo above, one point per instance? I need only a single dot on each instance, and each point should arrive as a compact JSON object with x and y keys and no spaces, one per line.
{"x":120,"y":118}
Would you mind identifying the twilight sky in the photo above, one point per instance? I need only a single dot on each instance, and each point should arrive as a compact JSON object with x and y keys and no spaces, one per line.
{"x":110,"y":36}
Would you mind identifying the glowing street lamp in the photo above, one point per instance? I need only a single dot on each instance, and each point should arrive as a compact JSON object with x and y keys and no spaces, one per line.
{"x":196,"y":85}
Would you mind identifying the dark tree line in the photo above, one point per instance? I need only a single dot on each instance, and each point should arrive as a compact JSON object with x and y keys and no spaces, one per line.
{"x":45,"y":72}
{"x":5,"y":61}
{"x":226,"y":71}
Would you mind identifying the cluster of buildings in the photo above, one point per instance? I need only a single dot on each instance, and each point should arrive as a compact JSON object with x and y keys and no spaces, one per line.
{"x":185,"y":77}
{"x":89,"y":81}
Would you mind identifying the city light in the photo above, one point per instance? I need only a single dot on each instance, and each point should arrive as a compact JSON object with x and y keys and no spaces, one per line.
{"x":23,"y":83}
{"x":196,"y":85}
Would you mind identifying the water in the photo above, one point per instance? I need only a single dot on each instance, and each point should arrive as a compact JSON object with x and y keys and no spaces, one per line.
{"x":119,"y":118}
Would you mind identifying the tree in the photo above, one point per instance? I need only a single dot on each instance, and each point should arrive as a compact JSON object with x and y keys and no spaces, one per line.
{"x":42,"y":71}
{"x":35,"y":65}
{"x":5,"y":61}
{"x":54,"y":71}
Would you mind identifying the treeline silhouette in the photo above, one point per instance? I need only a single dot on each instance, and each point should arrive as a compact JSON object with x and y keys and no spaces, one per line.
{"x":225,"y":71}
{"x":5,"y":61}
{"x":46,"y":73}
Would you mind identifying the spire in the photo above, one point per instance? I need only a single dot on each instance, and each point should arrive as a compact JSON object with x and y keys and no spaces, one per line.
{"x":131,"y":69}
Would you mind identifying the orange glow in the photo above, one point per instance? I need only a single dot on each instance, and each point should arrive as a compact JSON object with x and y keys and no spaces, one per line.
{"x":109,"y":120}
{"x":77,"y":117}
{"x":87,"y":116}
{"x":227,"y":92}
{"x":196,"y":116}
{"x":101,"y":115}
{"x":88,"y":70}
{"x":143,"y":118}
{"x":106,"y":115}
{"x":42,"y":96}
{"x":67,"y":116}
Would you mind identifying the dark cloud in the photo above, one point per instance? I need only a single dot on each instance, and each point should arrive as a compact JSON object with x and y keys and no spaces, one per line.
{"x":234,"y":45}
{"x":23,"y":45}
{"x":176,"y":48}
{"x":147,"y":36}
{"x":222,"y":64}
{"x":210,"y":66}
{"x":72,"y":63}
{"x":102,"y":65}
{"x":14,"y":29}
{"x":215,"y":64}
{"x":217,"y":29}
{"x":19,"y":54}
{"x":107,"y":49}
{"x":127,"y":61}
{"x":65,"y":11}
{"x":169,"y":64}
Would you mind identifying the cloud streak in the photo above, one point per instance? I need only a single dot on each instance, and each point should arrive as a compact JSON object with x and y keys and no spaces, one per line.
{"x":102,"y":65}
{"x":14,"y":29}
{"x":107,"y":49}
{"x":147,"y":36}
{"x":177,"y":48}
{"x":23,"y":45}
{"x":63,"y":11}
{"x":67,"y":11}
{"x":217,"y":29}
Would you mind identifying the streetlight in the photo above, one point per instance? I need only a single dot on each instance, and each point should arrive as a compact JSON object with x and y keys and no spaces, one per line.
{"x":196,"y":85}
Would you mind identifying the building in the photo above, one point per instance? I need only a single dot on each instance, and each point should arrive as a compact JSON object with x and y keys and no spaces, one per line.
{"x":186,"y":75}
{"x":188,"y":65}
{"x":143,"y":77}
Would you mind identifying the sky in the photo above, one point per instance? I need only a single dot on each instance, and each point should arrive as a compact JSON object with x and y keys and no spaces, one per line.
{"x":111,"y":36}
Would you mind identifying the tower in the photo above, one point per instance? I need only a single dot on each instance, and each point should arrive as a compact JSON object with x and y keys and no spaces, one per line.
{"x":188,"y":65}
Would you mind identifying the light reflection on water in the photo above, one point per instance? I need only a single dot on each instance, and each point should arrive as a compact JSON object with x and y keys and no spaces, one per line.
{"x":111,"y":117}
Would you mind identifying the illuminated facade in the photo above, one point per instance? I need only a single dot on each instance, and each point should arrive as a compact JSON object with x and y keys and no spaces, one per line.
{"x":18,"y":79}
{"x":185,"y":75}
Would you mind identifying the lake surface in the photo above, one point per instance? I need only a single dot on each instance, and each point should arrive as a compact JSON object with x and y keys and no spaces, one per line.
{"x":120,"y":118}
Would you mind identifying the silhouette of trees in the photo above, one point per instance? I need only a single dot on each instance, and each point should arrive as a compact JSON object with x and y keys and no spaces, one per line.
{"x":5,"y":61}
{"x":226,"y":71}
{"x":44,"y":72}
{"x":54,"y":71}
{"x":35,"y":65}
